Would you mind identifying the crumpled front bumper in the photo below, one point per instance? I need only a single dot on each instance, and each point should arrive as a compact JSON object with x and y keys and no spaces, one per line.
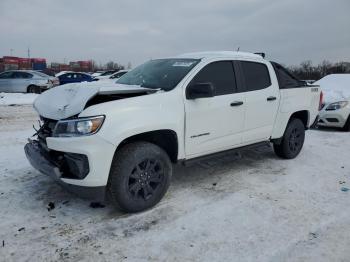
{"x":41,"y":161}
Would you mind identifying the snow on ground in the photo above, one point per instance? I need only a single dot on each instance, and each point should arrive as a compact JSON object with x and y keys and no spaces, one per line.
{"x":17,"y":98}
{"x":250,"y":206}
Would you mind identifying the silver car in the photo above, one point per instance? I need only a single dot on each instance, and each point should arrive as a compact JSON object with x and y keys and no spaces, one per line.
{"x":26,"y":81}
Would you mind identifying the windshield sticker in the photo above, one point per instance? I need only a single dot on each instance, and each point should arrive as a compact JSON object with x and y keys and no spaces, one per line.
{"x":183,"y":63}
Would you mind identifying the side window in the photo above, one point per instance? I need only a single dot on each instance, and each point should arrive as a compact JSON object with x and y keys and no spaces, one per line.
{"x":17,"y":75}
{"x":220,"y":74}
{"x":22,"y":75}
{"x":285,"y":79}
{"x":69,"y":76}
{"x":256,"y":75}
{"x":117,"y":75}
{"x":6,"y":75}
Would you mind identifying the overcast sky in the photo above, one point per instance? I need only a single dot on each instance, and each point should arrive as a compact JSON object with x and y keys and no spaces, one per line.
{"x":289,"y":31}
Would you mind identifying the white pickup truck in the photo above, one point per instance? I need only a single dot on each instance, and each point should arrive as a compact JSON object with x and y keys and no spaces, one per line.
{"x":123,"y":138}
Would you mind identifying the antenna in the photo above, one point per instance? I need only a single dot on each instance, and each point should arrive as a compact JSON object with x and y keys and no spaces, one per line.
{"x":238,"y":49}
{"x":28,"y":52}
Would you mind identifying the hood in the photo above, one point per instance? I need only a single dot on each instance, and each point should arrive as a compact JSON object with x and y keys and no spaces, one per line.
{"x":68,"y":100}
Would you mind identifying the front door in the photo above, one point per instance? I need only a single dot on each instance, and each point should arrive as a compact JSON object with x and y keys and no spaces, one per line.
{"x":216,"y":123}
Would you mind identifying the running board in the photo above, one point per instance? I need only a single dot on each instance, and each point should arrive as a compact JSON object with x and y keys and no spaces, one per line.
{"x":191,"y":161}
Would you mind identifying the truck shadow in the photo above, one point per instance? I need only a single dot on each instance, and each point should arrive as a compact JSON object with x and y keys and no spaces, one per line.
{"x":232,"y":162}
{"x":198,"y":176}
{"x":327,"y":129}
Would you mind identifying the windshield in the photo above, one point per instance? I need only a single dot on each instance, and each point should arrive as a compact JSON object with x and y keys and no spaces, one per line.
{"x":162,"y":74}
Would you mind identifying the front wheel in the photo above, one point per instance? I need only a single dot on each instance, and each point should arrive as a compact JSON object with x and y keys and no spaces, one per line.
{"x":139,"y":177}
{"x":292,"y":140}
{"x":34,"y":89}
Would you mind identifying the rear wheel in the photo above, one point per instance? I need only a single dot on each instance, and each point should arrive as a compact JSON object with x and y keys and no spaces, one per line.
{"x":292,"y":140}
{"x":139,"y":177}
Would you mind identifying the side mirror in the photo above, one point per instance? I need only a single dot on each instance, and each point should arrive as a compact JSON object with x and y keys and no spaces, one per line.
{"x":200,"y":90}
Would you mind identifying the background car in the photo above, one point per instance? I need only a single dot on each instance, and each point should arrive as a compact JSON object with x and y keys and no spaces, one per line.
{"x":97,"y":73}
{"x":26,"y":81}
{"x":111,"y":77}
{"x":336,"y":108}
{"x":106,"y":74}
{"x":74,"y":77}
{"x":62,"y":73}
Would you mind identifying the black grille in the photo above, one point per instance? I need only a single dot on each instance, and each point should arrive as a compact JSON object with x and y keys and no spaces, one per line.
{"x":332,"y":120}
{"x":45,"y":130}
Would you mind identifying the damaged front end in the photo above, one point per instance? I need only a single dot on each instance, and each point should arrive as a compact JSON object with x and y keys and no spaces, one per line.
{"x":57,"y":164}
{"x":60,"y":165}
{"x":65,"y":147}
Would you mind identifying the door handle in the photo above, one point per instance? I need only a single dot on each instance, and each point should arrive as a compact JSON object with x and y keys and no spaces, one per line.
{"x":236,"y":103}
{"x":271,"y":98}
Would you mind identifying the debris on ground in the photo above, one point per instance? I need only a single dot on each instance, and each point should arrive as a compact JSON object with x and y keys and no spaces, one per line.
{"x":96,"y":205}
{"x":50,"y":206}
{"x":312,"y":236}
{"x":21,"y":229}
{"x":341,"y":182}
{"x":3,"y":243}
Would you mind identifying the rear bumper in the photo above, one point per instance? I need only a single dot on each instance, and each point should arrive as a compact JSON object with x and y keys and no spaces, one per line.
{"x":41,"y":161}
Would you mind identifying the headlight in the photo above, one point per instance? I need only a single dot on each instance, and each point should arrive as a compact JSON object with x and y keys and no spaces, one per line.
{"x":336,"y":105}
{"x":78,"y":127}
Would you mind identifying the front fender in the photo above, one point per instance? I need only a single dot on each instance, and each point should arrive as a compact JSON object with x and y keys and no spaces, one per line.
{"x":133,"y":116}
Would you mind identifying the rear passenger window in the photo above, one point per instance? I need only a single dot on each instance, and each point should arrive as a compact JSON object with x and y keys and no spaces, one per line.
{"x":285,"y":79}
{"x":21,"y":75}
{"x":256,"y":75}
{"x":220,"y":74}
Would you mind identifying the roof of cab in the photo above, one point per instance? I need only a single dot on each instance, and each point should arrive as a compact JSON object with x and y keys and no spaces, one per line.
{"x":214,"y":54}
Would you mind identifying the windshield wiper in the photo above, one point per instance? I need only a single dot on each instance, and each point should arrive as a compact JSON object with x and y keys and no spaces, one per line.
{"x":150,"y":87}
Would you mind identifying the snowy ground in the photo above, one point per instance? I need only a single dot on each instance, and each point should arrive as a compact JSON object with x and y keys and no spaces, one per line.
{"x":16,"y":99}
{"x":242,"y":207}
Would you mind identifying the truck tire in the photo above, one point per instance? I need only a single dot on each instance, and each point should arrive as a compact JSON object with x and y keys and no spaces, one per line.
{"x":140,"y":176}
{"x":346,"y":127}
{"x":292,"y":140}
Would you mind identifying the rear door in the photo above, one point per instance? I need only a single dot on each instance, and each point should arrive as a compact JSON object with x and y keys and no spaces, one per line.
{"x":79,"y":78}
{"x":262,"y":100}
{"x":216,"y":123}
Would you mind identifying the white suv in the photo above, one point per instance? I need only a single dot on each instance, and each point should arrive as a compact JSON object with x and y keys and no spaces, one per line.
{"x":336,"y":109}
{"x":124,"y":138}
